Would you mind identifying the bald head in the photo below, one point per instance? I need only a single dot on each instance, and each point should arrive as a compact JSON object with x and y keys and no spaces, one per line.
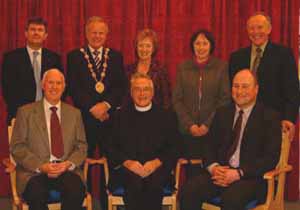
{"x":244,"y":88}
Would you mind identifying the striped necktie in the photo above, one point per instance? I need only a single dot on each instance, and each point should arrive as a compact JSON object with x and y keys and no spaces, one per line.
{"x":257,"y":60}
{"x":97,"y":59}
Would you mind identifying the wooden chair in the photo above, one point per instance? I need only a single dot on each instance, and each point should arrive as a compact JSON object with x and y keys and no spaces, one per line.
{"x":115,"y":198}
{"x":18,"y":202}
{"x":276,"y":183}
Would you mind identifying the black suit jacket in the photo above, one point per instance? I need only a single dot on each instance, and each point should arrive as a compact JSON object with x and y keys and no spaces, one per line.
{"x":277,"y":77}
{"x":18,"y":83}
{"x":261,"y":141}
{"x":82,"y":85}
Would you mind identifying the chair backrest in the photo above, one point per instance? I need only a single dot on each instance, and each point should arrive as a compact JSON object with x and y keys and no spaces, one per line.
{"x":278,"y":200}
{"x":10,"y":129}
{"x":285,"y":151}
{"x":13,"y":183}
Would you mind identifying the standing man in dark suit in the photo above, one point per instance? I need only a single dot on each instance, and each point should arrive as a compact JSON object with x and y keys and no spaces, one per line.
{"x":23,"y":68}
{"x":243,"y":143}
{"x":49,"y":145}
{"x":275,"y":67}
{"x":96,"y":82}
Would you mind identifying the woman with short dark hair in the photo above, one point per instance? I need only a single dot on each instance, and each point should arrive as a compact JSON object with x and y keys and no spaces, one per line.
{"x":202,"y":86}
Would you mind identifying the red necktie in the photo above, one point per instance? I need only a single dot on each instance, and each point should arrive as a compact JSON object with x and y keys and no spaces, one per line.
{"x":236,"y":132}
{"x":57,"y":146}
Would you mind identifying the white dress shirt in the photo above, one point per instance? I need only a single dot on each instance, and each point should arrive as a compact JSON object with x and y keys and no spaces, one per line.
{"x":48,"y":113}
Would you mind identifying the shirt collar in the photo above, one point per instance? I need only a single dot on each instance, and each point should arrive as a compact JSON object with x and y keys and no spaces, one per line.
{"x":246,"y":111}
{"x":30,"y":50}
{"x":47,"y":105}
{"x":92,"y":49}
{"x":143,"y":109}
{"x":262,"y":47}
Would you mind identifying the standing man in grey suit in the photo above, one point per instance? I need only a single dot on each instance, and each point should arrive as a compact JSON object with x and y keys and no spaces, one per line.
{"x":275,"y":67}
{"x":49,"y":145}
{"x":23,"y":68}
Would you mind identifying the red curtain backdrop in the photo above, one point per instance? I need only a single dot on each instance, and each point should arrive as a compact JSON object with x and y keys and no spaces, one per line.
{"x":173,"y":20}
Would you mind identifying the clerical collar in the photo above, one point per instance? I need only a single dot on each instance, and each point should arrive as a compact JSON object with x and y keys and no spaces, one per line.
{"x":143,"y":109}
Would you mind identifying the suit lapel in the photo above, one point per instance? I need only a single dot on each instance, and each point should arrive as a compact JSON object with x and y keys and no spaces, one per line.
{"x":267,"y":56}
{"x":248,"y":56}
{"x":40,"y":122}
{"x":230,"y":117}
{"x":27,"y":63}
{"x":250,"y":123}
{"x":44,"y":65}
{"x":65,"y":118}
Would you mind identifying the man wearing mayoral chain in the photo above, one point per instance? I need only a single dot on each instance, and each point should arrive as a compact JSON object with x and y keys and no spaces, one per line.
{"x":96,"y":82}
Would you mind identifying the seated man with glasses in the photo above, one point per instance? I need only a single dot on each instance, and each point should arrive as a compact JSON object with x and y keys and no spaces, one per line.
{"x":144,"y":147}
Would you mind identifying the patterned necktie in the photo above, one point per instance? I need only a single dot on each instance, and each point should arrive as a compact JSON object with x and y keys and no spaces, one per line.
{"x":37,"y":75}
{"x":57,"y":147}
{"x":97,"y":58}
{"x":257,"y":60}
{"x":236,"y":132}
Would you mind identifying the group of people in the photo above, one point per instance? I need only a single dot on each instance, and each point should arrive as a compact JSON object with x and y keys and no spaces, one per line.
{"x":229,"y":115}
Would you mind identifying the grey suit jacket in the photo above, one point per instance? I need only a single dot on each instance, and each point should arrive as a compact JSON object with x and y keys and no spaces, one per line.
{"x":30,"y":144}
{"x":215,"y":92}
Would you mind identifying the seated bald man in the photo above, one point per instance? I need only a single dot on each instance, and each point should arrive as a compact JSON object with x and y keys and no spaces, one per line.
{"x":243,"y":143}
{"x":144,"y":146}
{"x":49,"y":145}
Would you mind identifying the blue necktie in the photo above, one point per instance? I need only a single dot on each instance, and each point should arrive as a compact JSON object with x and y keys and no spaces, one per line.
{"x":37,"y":75}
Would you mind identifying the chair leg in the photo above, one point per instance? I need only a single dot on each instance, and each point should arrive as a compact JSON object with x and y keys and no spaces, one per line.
{"x":14,"y":207}
{"x":89,"y":202}
{"x":174,"y":206}
{"x":110,"y":207}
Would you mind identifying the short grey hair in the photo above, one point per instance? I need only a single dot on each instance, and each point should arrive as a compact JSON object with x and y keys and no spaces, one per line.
{"x":94,"y":19}
{"x":53,"y":70}
{"x":139,"y":75}
{"x":261,"y":13}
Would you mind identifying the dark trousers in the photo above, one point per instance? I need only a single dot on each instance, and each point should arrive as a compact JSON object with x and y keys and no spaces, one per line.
{"x":193,"y":148}
{"x":234,"y":197}
{"x":97,"y":134}
{"x":69,"y":184}
{"x":145,"y":193}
